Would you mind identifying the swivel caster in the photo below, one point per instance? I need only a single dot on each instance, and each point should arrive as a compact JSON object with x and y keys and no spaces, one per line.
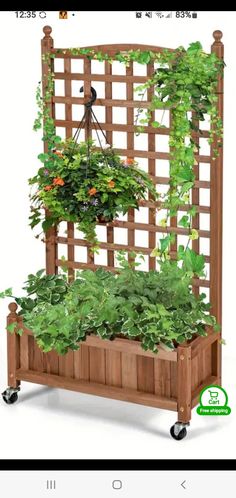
{"x":10,"y":396}
{"x":178,"y":431}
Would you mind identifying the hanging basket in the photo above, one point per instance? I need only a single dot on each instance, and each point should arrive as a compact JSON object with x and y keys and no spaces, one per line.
{"x":87,"y":184}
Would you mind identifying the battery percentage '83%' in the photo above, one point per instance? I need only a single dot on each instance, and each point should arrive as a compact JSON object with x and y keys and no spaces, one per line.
{"x":181,"y":13}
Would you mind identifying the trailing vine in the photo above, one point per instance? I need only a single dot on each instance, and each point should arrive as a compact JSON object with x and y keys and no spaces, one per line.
{"x":184,"y":82}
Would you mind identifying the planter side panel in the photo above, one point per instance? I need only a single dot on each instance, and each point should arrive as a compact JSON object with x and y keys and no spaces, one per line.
{"x":103,"y":366}
{"x":201,"y":367}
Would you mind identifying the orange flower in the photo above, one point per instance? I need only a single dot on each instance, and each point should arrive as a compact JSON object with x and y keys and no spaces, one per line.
{"x":128,"y":161}
{"x":48,"y":187}
{"x":92,"y":191}
{"x":59,"y":153}
{"x":111,"y":183}
{"x":58,"y":181}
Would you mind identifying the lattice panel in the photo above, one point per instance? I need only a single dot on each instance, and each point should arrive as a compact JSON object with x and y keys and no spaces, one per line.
{"x":138,"y":231}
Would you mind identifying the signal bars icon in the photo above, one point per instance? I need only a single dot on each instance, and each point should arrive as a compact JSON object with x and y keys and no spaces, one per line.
{"x":169,"y":15}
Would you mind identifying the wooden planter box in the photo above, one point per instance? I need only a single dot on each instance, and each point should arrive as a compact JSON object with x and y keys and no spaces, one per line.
{"x":119,"y":369}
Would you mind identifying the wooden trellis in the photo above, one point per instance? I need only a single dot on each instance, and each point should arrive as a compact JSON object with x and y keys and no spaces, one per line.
{"x":120,"y":369}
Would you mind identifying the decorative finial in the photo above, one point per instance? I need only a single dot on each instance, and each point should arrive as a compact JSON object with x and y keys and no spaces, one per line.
{"x":47,"y":31}
{"x":13,"y":307}
{"x":217,"y":35}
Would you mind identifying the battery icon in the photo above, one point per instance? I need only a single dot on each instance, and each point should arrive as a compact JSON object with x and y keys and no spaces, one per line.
{"x":194,"y":15}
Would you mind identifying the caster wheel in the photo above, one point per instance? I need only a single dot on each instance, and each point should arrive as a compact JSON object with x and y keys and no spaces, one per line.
{"x":10,"y":399}
{"x":178,"y":433}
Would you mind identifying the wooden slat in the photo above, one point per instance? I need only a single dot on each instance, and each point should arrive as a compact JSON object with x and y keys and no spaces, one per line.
{"x":162,"y":377}
{"x":207,"y":361}
{"x":52,"y":362}
{"x":165,"y":181}
{"x":100,"y":77}
{"x":109,"y":135}
{"x":201,"y":377}
{"x":150,"y":228}
{"x":113,"y":392}
{"x":77,"y":365}
{"x":97,"y":365}
{"x":151,"y":204}
{"x":31,"y":350}
{"x":145,"y":373}
{"x":111,"y":49}
{"x":82,"y":363}
{"x":129,"y":346}
{"x":88,"y":128}
{"x":115,"y":126}
{"x":152,"y":172}
{"x":68,"y":105}
{"x":102,"y":102}
{"x":92,"y":266}
{"x":194,"y":373}
{"x":113,"y":247}
{"x":156,"y":155}
{"x":173,"y":380}
{"x":70,"y":250}
{"x":129,"y":370}
{"x":68,"y":127}
{"x":201,"y":343}
{"x":130,"y":145}
{"x":113,"y":368}
{"x":40,"y":360}
{"x":195,"y":201}
{"x":24,"y":352}
{"x":66,"y":364}
{"x":173,"y":219}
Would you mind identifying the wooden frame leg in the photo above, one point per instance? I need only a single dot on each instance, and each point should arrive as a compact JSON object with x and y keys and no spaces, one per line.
{"x":216,"y":360}
{"x":184,"y":387}
{"x":13,"y":349}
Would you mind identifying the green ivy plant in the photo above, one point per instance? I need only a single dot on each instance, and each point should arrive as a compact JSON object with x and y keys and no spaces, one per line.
{"x":184,"y":82}
{"x":40,"y":288}
{"x":156,"y":307}
{"x":75,"y":187}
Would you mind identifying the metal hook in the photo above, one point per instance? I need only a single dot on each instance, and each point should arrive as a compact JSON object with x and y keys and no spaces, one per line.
{"x":93,"y":96}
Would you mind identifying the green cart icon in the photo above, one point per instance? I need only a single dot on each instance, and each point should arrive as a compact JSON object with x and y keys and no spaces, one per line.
{"x":213,"y":398}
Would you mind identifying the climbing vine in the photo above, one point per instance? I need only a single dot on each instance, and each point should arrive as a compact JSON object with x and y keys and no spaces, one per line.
{"x":184,"y":82}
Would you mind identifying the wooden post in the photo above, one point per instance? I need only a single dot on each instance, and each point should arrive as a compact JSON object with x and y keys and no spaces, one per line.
{"x":69,"y":133}
{"x":130,"y":146}
{"x":88,"y":128}
{"x":51,"y":246}
{"x":13,"y":348}
{"x":109,"y":135}
{"x":216,"y":207}
{"x":184,"y":393}
{"x":151,"y":171}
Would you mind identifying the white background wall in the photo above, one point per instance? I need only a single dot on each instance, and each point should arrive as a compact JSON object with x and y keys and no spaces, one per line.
{"x":116,"y":429}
